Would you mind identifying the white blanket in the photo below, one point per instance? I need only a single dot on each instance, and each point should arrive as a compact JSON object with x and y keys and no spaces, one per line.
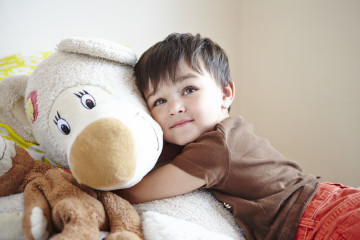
{"x":193,"y":216}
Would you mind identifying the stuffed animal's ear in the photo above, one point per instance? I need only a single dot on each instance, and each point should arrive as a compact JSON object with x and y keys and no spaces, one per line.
{"x":12,"y":106}
{"x":100,"y":48}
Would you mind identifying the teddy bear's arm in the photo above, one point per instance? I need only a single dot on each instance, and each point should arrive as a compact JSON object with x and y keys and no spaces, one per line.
{"x":124,"y":220}
{"x":37,"y":214}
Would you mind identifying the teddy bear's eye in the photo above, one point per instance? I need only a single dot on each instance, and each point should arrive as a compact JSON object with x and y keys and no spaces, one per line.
{"x":86,"y":100}
{"x":62,"y":125}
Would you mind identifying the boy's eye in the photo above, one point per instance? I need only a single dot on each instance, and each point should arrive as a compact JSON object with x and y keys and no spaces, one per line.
{"x":189,"y":90}
{"x":159,"y":101}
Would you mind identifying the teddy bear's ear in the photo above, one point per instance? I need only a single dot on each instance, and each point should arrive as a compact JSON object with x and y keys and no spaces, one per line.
{"x":12,"y":106}
{"x":100,"y":48}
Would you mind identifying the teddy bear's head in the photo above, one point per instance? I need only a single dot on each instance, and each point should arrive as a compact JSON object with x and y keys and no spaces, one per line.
{"x":82,"y":107}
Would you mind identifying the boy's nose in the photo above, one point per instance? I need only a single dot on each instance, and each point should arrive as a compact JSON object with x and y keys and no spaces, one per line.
{"x":176,"y":107}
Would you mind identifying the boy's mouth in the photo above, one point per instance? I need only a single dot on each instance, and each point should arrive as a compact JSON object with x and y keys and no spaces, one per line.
{"x":181,"y":123}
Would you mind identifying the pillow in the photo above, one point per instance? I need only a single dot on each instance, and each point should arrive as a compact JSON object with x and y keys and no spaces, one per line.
{"x":19,"y":64}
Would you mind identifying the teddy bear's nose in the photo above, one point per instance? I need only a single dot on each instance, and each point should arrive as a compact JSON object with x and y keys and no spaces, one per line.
{"x":103,"y":154}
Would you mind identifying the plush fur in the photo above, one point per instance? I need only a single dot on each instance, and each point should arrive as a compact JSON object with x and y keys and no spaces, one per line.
{"x":198,"y":212}
{"x":55,"y":202}
{"x":82,"y":108}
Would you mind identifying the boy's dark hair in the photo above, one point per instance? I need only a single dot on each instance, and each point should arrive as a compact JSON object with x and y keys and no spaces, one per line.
{"x":162,"y":60}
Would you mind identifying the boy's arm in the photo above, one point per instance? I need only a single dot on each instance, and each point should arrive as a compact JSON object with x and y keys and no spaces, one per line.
{"x":163,"y":182}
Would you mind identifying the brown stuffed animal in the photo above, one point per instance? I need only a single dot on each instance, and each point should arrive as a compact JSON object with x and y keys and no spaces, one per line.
{"x":55,"y":202}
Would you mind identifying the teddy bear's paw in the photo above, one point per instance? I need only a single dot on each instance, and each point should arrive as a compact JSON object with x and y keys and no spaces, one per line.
{"x":102,"y":236}
{"x":124,"y":235}
{"x":7,"y":151}
{"x":38,"y":224}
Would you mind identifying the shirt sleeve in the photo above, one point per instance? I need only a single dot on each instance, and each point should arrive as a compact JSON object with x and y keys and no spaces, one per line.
{"x":207,"y":158}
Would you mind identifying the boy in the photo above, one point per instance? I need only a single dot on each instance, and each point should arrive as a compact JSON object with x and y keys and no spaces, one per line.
{"x":186,"y":83}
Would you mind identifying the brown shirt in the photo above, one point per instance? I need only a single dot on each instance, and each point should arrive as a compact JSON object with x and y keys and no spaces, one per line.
{"x":266,"y":192}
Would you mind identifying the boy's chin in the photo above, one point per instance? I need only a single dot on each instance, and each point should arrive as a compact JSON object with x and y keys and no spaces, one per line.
{"x":183,"y":141}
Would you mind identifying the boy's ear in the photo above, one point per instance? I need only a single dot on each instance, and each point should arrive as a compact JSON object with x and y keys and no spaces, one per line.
{"x":228,"y":94}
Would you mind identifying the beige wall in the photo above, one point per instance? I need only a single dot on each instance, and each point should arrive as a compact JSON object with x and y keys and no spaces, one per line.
{"x":40,"y":24}
{"x":296,"y":64}
{"x":300,"y":81}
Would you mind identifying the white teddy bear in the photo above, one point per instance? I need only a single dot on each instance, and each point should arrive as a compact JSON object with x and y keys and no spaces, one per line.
{"x":81,"y":106}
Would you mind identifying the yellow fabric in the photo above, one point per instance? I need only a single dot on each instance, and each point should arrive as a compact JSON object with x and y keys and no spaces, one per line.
{"x":20,"y":63}
{"x":35,"y":152}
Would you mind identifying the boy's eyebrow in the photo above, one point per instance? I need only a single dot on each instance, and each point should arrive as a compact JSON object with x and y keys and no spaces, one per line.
{"x":151,"y":94}
{"x":184,"y":77}
{"x":177,"y":79}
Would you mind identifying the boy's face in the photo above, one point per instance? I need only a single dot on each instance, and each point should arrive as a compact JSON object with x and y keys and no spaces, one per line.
{"x":189,"y":107}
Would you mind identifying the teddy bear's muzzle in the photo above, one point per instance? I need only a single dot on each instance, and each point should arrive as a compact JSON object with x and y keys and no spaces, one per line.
{"x":102,"y":154}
